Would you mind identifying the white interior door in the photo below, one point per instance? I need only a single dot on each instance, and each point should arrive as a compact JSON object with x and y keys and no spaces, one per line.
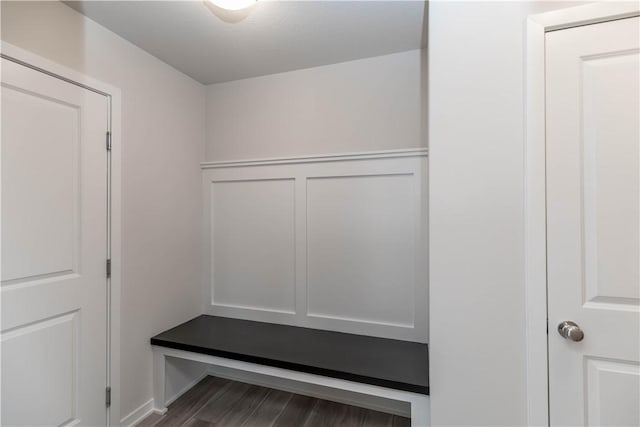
{"x":54,"y":248}
{"x":593,"y":217}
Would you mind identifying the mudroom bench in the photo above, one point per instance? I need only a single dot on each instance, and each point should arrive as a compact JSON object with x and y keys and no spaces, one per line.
{"x":386,"y":368}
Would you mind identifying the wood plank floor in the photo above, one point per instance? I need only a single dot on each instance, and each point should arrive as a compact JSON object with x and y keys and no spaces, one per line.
{"x":223,"y":403}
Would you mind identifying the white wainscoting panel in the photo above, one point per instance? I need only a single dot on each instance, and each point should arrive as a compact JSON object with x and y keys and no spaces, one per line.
{"x":360,"y":246}
{"x":328,"y":243}
{"x":253,"y":241}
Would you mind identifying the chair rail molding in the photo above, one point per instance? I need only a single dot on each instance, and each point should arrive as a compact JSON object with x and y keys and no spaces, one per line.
{"x":535,"y":194}
{"x":410,"y":152}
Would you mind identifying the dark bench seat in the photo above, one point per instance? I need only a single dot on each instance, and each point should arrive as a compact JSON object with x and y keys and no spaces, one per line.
{"x":400,"y":365}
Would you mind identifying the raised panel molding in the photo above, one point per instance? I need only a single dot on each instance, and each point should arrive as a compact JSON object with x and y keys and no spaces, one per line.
{"x":40,"y":235}
{"x":48,"y":348}
{"x":610,"y":182}
{"x":326,"y":242}
{"x":612,"y":391}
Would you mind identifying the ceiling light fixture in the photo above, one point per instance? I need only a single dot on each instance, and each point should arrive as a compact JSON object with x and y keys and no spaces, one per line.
{"x":233,"y":4}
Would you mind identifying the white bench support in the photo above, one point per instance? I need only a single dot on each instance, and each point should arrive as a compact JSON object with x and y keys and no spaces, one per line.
{"x":419,"y":402}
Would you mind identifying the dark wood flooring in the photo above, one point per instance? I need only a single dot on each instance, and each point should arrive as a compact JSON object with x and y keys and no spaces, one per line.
{"x":219,"y":402}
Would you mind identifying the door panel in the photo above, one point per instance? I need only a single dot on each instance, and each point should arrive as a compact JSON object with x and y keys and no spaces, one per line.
{"x":54,"y":247}
{"x":610,"y":177}
{"x":593,"y":222}
{"x":29,"y":147}
{"x":45,"y":349}
{"x":612,"y":392}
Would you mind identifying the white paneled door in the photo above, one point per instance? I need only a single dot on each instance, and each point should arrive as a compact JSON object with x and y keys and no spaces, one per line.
{"x":593,"y":217}
{"x":54,"y":249}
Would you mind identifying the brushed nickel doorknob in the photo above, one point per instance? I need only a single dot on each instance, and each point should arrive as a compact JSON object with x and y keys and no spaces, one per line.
{"x":570,"y":330}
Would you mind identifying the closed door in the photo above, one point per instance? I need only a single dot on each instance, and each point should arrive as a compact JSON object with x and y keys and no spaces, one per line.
{"x":593,"y":217}
{"x":54,"y":248}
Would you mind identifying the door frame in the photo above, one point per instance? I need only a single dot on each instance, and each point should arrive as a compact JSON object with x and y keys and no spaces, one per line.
{"x":114,"y":218}
{"x":535,"y":189}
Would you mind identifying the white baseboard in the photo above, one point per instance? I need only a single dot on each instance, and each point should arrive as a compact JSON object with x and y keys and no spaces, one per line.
{"x":375,"y":403}
{"x":186,"y":388}
{"x":148,"y":407}
{"x":138,"y":414}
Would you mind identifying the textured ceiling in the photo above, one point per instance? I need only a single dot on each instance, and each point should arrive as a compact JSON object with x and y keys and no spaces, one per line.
{"x":272,"y":37}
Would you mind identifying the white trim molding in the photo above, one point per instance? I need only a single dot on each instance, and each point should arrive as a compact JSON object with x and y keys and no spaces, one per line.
{"x":369,"y":155}
{"x":138,"y":414}
{"x":114,"y":95}
{"x":535,"y":188}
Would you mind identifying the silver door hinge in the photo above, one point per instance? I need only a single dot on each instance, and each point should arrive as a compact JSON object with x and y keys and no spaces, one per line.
{"x":108,"y":268}
{"x":108,"y":397}
{"x":108,"y":141}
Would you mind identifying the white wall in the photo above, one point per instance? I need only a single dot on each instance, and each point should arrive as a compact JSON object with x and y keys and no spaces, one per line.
{"x":365,"y":105}
{"x":476,"y":104}
{"x":163,"y":142}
